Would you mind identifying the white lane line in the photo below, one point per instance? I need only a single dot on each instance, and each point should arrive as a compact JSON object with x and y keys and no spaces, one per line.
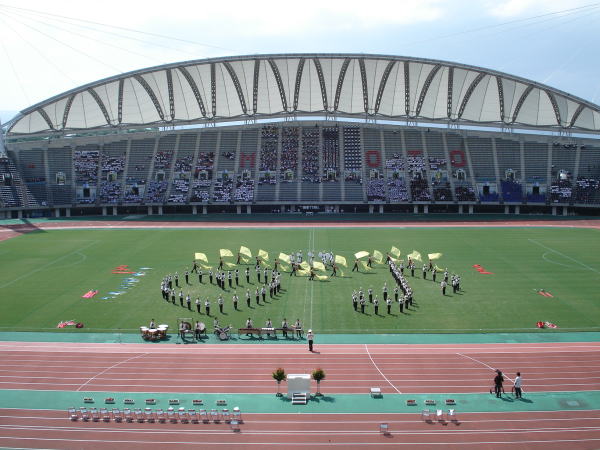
{"x":312,"y":285}
{"x":489,"y":367}
{"x":380,"y":372}
{"x":563,"y":255}
{"x":31,"y":272}
{"x":111,"y":367}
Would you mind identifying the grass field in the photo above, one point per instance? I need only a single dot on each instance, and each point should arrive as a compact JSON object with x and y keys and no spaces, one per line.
{"x":45,"y":273}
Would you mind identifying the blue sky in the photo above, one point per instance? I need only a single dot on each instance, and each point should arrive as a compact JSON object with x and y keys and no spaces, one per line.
{"x":553,"y":42}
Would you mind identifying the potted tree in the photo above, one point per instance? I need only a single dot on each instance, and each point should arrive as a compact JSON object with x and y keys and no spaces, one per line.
{"x":279,"y":375}
{"x":318,"y":374}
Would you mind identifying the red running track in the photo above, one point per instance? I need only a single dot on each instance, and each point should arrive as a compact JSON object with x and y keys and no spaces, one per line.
{"x":247,"y":368}
{"x":532,"y":430}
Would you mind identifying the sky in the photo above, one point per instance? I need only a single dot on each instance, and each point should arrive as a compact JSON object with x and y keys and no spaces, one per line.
{"x":47,"y":48}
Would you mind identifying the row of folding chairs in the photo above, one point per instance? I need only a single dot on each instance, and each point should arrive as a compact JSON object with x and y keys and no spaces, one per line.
{"x":439,"y":415}
{"x":140,"y":415}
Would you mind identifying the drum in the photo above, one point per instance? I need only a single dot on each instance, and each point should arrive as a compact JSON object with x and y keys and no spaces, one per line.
{"x":144,"y":331}
{"x":162,"y":331}
{"x":223,"y":335}
{"x":153,"y":333}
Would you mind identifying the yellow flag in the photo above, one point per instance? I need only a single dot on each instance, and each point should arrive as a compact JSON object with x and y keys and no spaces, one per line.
{"x":304,"y":265}
{"x":318,"y":265}
{"x":321,"y":277}
{"x":304,"y":272}
{"x":229,"y":264}
{"x":245,"y":251}
{"x":201,"y":257}
{"x":433,"y":256}
{"x":394,"y":251}
{"x":245,"y":260}
{"x":415,"y":256}
{"x":224,"y":252}
{"x":340,"y":260}
{"x":205,"y":266}
{"x":378,"y":256}
{"x":284,"y":257}
{"x":438,"y":269}
{"x":365,"y":267}
{"x":263,"y":255}
{"x":284,"y":267}
{"x":361,"y":254}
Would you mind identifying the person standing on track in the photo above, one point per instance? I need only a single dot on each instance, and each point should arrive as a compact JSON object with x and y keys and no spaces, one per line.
{"x":311,"y":337}
{"x":517,"y":385}
{"x":498,"y":381}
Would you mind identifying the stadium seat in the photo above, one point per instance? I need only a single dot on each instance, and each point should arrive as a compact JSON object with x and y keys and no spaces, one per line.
{"x":384,"y":428}
{"x":426,"y":415}
{"x":160,"y":415}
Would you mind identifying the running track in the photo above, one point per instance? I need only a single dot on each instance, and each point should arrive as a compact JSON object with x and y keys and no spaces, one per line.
{"x":350,"y":369}
{"x":247,"y":368}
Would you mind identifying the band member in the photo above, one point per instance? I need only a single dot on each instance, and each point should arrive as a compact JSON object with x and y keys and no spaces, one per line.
{"x":355,"y":267}
{"x":284,"y":327}
{"x":247,"y":272}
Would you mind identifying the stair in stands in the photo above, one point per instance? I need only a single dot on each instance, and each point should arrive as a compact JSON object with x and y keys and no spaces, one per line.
{"x":299,"y":399}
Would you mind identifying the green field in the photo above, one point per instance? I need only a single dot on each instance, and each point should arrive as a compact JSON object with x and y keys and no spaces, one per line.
{"x":45,"y":273}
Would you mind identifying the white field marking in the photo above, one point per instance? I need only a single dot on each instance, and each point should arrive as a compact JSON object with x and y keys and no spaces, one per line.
{"x":489,"y":367}
{"x":564,"y":256}
{"x":111,"y":367}
{"x":107,"y":429}
{"x":544,"y":257}
{"x":39,"y":269}
{"x":380,"y":372}
{"x":309,"y":444}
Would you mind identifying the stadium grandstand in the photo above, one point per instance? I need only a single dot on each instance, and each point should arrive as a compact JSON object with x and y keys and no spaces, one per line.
{"x":303,"y":132}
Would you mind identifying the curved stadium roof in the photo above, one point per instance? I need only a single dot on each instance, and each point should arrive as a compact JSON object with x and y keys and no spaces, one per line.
{"x":347,"y":85}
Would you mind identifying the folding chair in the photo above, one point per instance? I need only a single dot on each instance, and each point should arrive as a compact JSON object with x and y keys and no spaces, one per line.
{"x":235,"y":425}
{"x":439,"y":415}
{"x":451,"y":415}
{"x":160,"y":415}
{"x":426,"y":415}
{"x":139,"y":415}
{"x":237,"y":414}
{"x":105,"y":414}
{"x":84,"y":413}
{"x":171,"y":415}
{"x":225,"y":415}
{"x":95,"y":415}
{"x":149,"y":415}
{"x":203,"y":415}
{"x":117,"y":415}
{"x":193,"y":415}
{"x":384,"y":428}
{"x":72,"y":413}
{"x":128,"y":415}
{"x":214,"y":415}
{"x":183,"y":417}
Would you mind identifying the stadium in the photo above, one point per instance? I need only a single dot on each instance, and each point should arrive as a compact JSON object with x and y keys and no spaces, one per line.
{"x":431,"y":222}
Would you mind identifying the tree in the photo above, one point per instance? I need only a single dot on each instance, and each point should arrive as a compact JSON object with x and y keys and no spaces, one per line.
{"x":279,"y":375}
{"x":318,"y":374}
